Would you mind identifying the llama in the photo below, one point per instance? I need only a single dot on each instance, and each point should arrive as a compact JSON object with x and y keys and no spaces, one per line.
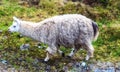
{"x":71,"y":31}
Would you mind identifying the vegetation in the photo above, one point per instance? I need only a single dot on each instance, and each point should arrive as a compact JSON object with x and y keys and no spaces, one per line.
{"x":107,"y":47}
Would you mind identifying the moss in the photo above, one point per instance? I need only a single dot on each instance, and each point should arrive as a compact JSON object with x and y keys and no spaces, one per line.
{"x":107,"y":47}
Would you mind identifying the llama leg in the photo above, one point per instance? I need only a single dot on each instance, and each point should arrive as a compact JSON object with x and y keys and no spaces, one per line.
{"x":47,"y":57}
{"x":50,"y":52}
{"x":72,"y":52}
{"x":61,"y":53}
{"x":90,"y":51}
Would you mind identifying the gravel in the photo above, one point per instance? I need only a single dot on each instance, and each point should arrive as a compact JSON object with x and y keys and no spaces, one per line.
{"x":70,"y":67}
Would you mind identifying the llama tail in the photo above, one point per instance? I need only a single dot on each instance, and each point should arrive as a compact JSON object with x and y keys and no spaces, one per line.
{"x":96,"y":30}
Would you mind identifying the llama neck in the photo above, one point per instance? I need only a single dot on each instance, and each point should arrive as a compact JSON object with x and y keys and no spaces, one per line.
{"x":27,"y":29}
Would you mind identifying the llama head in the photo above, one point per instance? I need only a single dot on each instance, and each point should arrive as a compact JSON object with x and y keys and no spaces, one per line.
{"x":15,"y":26}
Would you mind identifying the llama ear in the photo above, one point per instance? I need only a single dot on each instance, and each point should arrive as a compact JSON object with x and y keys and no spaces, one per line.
{"x":15,"y":19}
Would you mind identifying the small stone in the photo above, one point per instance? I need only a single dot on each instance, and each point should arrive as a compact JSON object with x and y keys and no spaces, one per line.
{"x":92,"y":66}
{"x":111,"y":69}
{"x":70,"y":64}
{"x":4,"y":71}
{"x":117,"y":70}
{"x":24,"y":47}
{"x":83,"y":64}
{"x":21,"y":35}
{"x":64,"y":63}
{"x":109,"y":64}
{"x":4,"y":61}
{"x":39,"y":46}
{"x":81,"y":49}
{"x":47,"y":68}
{"x":117,"y":66}
{"x":97,"y":70}
{"x":99,"y":64}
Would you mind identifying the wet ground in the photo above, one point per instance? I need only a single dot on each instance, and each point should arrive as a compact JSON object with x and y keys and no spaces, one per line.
{"x":71,"y":66}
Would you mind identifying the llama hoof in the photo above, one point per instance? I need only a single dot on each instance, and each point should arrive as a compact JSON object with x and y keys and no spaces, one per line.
{"x":44,"y":61}
{"x":69,"y":57}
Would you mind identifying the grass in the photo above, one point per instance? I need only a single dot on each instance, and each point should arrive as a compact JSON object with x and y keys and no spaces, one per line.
{"x":107,"y":47}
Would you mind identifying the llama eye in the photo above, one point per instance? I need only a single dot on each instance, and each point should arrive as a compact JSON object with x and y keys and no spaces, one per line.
{"x":14,"y":26}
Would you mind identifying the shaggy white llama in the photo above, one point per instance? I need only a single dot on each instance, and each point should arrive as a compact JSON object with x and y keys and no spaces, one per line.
{"x":70,"y":30}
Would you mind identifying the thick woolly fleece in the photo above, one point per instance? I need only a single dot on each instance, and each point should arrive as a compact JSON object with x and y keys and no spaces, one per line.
{"x":70,"y":30}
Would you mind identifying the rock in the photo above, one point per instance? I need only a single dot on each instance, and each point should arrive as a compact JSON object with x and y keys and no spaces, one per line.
{"x":109,"y":64}
{"x":47,"y":68}
{"x":4,"y":62}
{"x":110,"y":69}
{"x":117,"y":65}
{"x":83,"y":64}
{"x":77,"y":64}
{"x":97,"y":70}
{"x":92,"y":67}
{"x":104,"y":67}
{"x":65,"y":69}
{"x":117,"y":70}
{"x":99,"y":64}
{"x":70,"y":64}
{"x":24,"y":47}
